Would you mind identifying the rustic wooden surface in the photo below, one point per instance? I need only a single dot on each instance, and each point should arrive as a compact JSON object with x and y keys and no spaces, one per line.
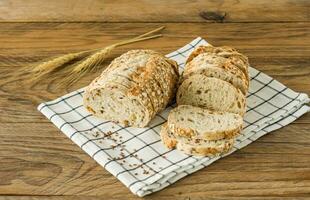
{"x":155,"y":11}
{"x":38,"y":162}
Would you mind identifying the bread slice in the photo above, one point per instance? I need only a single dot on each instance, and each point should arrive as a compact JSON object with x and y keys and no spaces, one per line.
{"x":194,"y":147}
{"x":231,"y":54}
{"x":218,"y":67}
{"x":211,"y":93}
{"x":198,"y":123}
{"x":112,"y":102}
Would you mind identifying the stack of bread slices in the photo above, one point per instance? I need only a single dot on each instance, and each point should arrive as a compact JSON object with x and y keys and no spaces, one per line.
{"x":211,"y":101}
{"x":133,"y":88}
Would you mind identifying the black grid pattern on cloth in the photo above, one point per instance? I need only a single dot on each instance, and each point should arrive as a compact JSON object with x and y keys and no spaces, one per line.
{"x":262,"y":116}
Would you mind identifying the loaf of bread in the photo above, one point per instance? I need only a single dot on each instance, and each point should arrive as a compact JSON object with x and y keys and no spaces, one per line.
{"x":133,"y":88}
{"x":211,"y":102}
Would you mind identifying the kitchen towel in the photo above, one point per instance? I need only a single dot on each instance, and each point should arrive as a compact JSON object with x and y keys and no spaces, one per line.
{"x":137,"y":157}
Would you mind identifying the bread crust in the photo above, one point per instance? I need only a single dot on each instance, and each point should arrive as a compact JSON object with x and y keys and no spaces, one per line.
{"x":167,"y":78}
{"x":205,"y":151}
{"x":166,"y":140}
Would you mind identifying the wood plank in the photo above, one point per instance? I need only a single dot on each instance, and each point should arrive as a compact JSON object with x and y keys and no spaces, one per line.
{"x":47,"y":163}
{"x":155,"y":11}
{"x":280,"y":50}
{"x":71,"y":197}
{"x":36,"y":159}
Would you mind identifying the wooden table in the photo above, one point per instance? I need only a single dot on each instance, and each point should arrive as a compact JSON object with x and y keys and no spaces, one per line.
{"x":38,"y":162}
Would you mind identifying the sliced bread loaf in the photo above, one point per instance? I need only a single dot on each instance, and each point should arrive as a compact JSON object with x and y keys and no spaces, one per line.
{"x":211,"y":93}
{"x":137,"y":73}
{"x":194,"y":146}
{"x":198,"y":123}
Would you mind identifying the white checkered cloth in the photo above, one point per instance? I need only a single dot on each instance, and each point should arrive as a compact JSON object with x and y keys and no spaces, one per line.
{"x":145,"y":165}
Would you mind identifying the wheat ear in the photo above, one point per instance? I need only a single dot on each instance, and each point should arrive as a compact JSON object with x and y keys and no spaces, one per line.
{"x":82,"y":68}
{"x":101,"y":55}
{"x":76,"y":71}
{"x":47,"y":67}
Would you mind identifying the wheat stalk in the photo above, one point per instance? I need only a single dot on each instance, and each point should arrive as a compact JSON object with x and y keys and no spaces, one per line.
{"x":77,"y":70}
{"x":47,"y":67}
{"x":82,"y":68}
{"x":101,"y":55}
{"x":150,"y":32}
{"x":87,"y":65}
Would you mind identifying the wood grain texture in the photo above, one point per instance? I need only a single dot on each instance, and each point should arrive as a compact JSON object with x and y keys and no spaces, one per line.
{"x":39,"y":162}
{"x":283,"y":54}
{"x":80,"y":197}
{"x":155,"y":11}
{"x":47,"y":163}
